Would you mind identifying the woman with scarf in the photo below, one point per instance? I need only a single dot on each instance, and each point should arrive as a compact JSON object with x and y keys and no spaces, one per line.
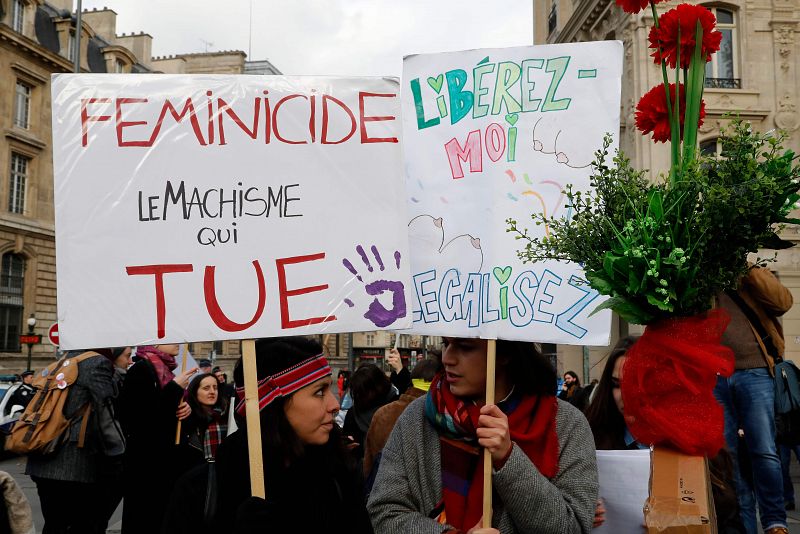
{"x":311,"y":483}
{"x":544,"y":475}
{"x":149,"y":410}
{"x":206,"y":426}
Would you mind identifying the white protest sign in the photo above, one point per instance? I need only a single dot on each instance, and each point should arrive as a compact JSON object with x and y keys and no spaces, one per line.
{"x":495,"y":134}
{"x":226,"y":207}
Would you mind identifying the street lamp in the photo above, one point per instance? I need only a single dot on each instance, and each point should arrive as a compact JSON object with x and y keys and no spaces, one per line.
{"x":31,"y":338}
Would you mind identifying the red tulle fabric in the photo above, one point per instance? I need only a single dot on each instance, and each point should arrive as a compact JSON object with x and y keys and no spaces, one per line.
{"x":668,"y":383}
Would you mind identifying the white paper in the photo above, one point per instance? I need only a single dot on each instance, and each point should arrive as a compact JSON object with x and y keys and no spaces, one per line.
{"x":624,"y":479}
{"x":493,"y":134}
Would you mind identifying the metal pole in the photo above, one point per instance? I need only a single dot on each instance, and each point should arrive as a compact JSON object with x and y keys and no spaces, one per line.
{"x":350,"y":355}
{"x":30,"y":348}
{"x":78,"y":27}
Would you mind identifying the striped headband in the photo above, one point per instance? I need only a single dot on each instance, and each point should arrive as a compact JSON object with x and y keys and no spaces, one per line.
{"x":286,"y":382}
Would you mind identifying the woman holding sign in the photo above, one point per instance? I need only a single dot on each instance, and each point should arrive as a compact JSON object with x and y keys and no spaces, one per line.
{"x":311,"y":484}
{"x":544,"y":473}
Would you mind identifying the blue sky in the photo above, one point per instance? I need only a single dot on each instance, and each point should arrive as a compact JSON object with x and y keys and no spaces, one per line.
{"x":339,"y":37}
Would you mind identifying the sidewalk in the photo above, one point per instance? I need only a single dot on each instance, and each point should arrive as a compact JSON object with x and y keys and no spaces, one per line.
{"x":16,"y":467}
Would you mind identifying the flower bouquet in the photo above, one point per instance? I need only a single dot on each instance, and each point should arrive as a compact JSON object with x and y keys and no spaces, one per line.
{"x":662,"y":250}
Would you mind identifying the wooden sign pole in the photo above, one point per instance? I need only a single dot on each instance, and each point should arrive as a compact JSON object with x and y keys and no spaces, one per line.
{"x":253,"y":417}
{"x":183,"y":370}
{"x":491,"y":357}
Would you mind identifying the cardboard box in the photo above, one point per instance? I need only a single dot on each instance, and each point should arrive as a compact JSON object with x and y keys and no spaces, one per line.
{"x":680,"y":499}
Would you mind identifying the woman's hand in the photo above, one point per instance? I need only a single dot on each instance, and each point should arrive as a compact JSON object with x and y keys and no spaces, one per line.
{"x":394,"y":361}
{"x":183,"y":379}
{"x":599,"y":514}
{"x":479,"y":529}
{"x":494,"y":435}
{"x":183,"y":411}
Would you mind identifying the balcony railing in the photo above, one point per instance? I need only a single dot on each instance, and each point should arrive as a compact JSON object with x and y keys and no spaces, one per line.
{"x":723,"y":83}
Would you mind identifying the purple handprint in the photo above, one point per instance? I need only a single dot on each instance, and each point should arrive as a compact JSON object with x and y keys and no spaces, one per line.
{"x":377,"y":312}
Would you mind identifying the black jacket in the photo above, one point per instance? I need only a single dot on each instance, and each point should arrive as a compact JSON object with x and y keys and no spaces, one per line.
{"x":148,"y":418}
{"x":321,"y":492}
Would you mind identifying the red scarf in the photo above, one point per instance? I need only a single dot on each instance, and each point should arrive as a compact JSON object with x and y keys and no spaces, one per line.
{"x":163,"y":363}
{"x":532,"y":421}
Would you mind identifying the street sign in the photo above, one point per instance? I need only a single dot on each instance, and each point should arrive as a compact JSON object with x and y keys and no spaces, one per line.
{"x":52,"y":334}
{"x":30,"y":339}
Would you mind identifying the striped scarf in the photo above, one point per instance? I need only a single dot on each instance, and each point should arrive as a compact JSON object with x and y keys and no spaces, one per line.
{"x":214,"y":434}
{"x":532,"y":421}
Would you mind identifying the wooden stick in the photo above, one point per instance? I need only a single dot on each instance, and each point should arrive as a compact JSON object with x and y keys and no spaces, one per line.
{"x":491,"y":356}
{"x":253,"y":418}
{"x":183,"y":370}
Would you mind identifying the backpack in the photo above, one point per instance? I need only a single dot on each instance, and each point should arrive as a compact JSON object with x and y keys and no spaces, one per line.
{"x":42,"y":427}
{"x":787,"y":403}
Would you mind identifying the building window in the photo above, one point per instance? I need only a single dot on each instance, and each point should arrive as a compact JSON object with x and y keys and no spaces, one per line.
{"x":723,"y":70}
{"x":712,"y":147}
{"x":22,"y":105}
{"x":16,"y":188}
{"x":12,"y":282}
{"x":370,"y":340}
{"x":119,"y":66}
{"x":17,"y":15}
{"x":552,"y":18}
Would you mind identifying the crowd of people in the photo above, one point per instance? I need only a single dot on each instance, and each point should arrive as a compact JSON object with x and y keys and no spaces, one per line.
{"x":407,"y":456}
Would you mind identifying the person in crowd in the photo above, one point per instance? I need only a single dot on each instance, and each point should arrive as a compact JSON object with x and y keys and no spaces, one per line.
{"x":785,"y":452}
{"x":385,"y":417}
{"x":572,"y":392}
{"x":748,"y":396}
{"x":69,"y":480}
{"x":24,"y":393}
{"x":204,"y":366}
{"x":206,"y":425}
{"x":227,"y":391}
{"x":544,"y":470}
{"x":370,"y":389}
{"x":606,"y":419}
{"x":400,"y":377}
{"x":311,"y":481}
{"x":588,"y":391}
{"x":149,"y":412}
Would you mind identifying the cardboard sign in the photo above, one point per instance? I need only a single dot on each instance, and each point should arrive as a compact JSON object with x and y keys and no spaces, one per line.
{"x":226,"y":207}
{"x":495,"y":134}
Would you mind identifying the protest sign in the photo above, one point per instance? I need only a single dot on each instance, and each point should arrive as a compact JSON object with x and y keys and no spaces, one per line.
{"x":494,"y":134}
{"x":196,"y":208}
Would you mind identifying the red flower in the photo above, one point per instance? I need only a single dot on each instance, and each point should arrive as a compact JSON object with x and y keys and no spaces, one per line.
{"x":634,"y":6}
{"x":652,"y":116}
{"x":685,"y":17}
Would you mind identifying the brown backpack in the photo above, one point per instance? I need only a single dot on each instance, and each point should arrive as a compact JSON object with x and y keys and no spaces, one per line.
{"x":43,"y":425}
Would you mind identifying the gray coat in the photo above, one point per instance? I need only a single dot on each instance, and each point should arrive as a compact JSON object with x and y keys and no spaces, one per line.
{"x":408,"y":484}
{"x":70,"y":463}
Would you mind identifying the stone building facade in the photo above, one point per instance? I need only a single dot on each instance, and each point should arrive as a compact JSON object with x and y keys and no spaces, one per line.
{"x":37,"y":39}
{"x":755,"y":74}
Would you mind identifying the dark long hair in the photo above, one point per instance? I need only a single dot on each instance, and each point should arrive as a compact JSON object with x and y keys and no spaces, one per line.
{"x":369,"y":387}
{"x":574,"y":375}
{"x":605,"y":419}
{"x":191,"y":396}
{"x":526,"y":368}
{"x":279,"y":440}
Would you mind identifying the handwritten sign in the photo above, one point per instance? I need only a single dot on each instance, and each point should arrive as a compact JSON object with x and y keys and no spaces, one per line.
{"x":495,"y":134}
{"x":224,"y":207}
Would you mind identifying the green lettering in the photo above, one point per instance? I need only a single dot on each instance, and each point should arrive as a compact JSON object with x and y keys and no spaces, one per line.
{"x":460,"y":100}
{"x":527,"y":86}
{"x":421,"y":122}
{"x":480,"y":109}
{"x":558,"y":66}
{"x":508,"y":74}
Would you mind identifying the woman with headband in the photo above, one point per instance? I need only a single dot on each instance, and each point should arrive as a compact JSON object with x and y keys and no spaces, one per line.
{"x":311,"y":483}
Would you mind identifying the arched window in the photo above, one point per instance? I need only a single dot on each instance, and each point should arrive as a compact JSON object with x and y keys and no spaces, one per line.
{"x":723,"y":69}
{"x":12,"y":283}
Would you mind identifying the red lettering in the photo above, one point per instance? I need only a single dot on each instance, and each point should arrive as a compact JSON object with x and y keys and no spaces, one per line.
{"x":275,"y":119}
{"x":284,"y":293}
{"x":471,"y":151}
{"x":224,"y":106}
{"x":342,"y":105}
{"x":86,"y":118}
{"x":122,"y":124}
{"x":365,"y":138}
{"x":216,"y":313}
{"x":187,"y":107}
{"x":159,"y":271}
